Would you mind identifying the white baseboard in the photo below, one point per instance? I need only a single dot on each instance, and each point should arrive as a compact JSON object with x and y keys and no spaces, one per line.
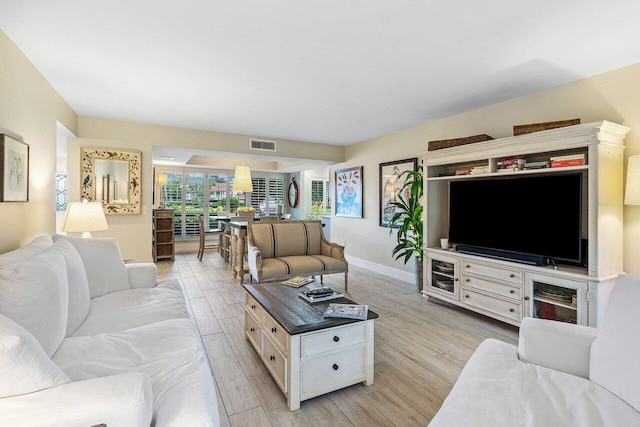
{"x":402,"y":275}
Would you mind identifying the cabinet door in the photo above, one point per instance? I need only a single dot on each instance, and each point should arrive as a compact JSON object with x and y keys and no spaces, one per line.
{"x":555,"y":298}
{"x":443,"y":273}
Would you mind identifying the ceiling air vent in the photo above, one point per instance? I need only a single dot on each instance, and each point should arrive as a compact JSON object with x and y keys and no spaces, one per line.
{"x":258,"y":144}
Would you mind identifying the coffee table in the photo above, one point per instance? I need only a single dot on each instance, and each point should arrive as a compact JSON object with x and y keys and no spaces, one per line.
{"x":306,"y":354}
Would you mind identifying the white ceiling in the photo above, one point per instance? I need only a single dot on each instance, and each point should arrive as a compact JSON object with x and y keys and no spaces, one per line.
{"x":329,"y":71}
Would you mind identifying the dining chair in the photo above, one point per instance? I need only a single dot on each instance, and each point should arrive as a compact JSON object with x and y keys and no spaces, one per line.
{"x":204,"y":232}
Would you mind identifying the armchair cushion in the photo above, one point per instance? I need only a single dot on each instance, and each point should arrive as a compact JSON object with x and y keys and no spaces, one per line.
{"x":614,"y":352}
{"x":556,"y":345}
{"x":34,"y":294}
{"x":106,"y":271}
{"x":301,"y":265}
{"x":24,"y":366}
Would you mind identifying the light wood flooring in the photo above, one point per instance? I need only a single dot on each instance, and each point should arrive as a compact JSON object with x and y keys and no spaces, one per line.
{"x":421,"y":345}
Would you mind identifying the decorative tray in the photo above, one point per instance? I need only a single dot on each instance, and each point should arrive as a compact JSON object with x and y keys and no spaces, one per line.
{"x":444,"y":267}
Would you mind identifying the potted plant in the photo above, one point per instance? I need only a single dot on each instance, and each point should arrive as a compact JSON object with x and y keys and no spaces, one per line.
{"x":407,"y":220}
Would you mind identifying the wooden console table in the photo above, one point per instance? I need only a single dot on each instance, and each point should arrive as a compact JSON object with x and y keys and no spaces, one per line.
{"x":306,"y":354}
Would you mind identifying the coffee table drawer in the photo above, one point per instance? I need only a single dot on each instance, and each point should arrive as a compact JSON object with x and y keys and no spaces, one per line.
{"x":275,"y":331}
{"x":332,"y":371}
{"x":333,"y":339}
{"x":276,"y":363}
{"x":253,"y":331}
{"x":252,"y":305}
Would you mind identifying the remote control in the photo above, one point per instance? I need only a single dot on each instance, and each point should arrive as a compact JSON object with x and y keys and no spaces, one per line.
{"x":320,"y":291}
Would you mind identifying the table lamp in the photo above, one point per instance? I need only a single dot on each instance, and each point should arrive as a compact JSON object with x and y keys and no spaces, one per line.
{"x":85,"y":217}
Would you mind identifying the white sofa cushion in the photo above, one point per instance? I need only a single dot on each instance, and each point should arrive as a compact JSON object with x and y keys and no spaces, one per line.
{"x":79,"y":300}
{"x":25,"y":252}
{"x":169,"y":352}
{"x":495,"y":388}
{"x":103,"y":263}
{"x":122,"y":310}
{"x":615,"y":351}
{"x":34,"y":293}
{"x":24,"y":366}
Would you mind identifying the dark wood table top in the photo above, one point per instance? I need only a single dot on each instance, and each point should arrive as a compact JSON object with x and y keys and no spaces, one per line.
{"x":294,"y":314}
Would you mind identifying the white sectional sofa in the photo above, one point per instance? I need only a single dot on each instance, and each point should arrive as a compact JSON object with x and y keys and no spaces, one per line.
{"x":87,"y":340}
{"x":559,"y":375}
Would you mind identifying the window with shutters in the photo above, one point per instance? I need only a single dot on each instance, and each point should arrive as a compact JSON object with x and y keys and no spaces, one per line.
{"x":320,"y":202}
{"x":191,"y":193}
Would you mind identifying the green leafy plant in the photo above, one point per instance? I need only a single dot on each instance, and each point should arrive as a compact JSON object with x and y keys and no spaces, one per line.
{"x":407,"y":219}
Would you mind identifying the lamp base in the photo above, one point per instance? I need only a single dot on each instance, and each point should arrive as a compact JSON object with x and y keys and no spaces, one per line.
{"x":86,"y":234}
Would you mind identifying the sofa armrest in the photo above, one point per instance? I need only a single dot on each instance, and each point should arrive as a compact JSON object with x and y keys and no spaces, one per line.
{"x":333,"y":250}
{"x":557,"y":345}
{"x":254,"y":257}
{"x":117,"y":400}
{"x":142,"y":275}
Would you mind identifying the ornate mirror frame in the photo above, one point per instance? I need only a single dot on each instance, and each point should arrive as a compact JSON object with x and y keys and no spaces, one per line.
{"x":88,"y":184}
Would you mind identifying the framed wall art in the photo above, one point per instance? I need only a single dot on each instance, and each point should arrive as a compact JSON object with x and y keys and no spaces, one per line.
{"x":349,"y":195}
{"x":391,"y":184}
{"x":14,"y":161}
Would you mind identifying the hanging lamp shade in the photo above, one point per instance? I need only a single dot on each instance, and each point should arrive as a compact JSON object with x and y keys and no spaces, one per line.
{"x":242,"y":179}
{"x":162,"y":179}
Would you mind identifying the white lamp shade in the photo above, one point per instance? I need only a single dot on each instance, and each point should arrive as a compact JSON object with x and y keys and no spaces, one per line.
{"x":85,"y":217}
{"x":632,"y":192}
{"x":242,"y":179}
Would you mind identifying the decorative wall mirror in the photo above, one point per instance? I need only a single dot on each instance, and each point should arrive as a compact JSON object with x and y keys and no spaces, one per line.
{"x":112,"y":177}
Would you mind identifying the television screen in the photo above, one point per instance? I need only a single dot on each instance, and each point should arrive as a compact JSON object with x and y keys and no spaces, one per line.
{"x":533,"y":214}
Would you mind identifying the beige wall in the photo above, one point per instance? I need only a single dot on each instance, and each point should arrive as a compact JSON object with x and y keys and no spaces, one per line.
{"x":613,"y":96}
{"x":30,"y":108}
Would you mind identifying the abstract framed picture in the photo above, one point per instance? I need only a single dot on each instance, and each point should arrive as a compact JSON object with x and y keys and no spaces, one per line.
{"x":14,"y":161}
{"x":390,"y":186}
{"x":349,"y":197}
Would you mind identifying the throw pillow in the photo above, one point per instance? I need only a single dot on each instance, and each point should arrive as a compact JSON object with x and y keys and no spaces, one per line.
{"x":24,"y":366}
{"x":34,"y":294}
{"x":79,"y":300}
{"x":103,"y":263}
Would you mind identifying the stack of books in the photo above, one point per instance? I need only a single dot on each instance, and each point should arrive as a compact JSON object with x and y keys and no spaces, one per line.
{"x":536,"y":165}
{"x":568,"y":160}
{"x":298,"y":281}
{"x":319,"y":294}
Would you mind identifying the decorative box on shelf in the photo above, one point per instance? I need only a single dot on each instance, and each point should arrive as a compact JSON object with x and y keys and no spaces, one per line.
{"x":447,"y":143}
{"x":537,"y":127}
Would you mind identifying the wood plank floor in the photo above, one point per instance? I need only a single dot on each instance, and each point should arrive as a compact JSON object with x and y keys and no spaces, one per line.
{"x":421,"y":345}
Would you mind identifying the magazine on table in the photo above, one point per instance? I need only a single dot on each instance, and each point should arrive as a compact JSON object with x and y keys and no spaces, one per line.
{"x":298,"y":281}
{"x":320,"y":294}
{"x":348,"y":311}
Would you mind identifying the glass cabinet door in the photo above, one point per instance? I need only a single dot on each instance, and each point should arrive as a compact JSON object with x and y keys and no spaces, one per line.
{"x":443,"y":275}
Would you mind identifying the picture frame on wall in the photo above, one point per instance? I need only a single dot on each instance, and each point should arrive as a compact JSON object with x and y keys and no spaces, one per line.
{"x":14,"y":162}
{"x":391,"y":185}
{"x":348,"y":192}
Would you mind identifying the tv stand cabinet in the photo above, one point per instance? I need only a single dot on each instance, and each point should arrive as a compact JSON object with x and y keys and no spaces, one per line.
{"x":509,"y":290}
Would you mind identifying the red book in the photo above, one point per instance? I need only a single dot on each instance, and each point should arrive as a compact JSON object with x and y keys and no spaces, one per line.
{"x":565,"y":163}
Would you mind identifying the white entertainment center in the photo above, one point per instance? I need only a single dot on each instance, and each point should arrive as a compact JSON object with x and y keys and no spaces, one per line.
{"x":508,"y":290}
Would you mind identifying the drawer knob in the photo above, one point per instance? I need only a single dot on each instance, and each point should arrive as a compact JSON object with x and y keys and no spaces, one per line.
{"x":272,"y":358}
{"x":467,"y":266}
{"x":467,"y":296}
{"x":456,"y":279}
{"x":512,"y":310}
{"x":526,"y":298}
{"x":335,"y":367}
{"x":512,"y":291}
{"x":252,"y":330}
{"x":512,"y":275}
{"x":467,"y":280}
{"x":336,"y":338}
{"x":273,"y":330}
{"x":253,"y":306}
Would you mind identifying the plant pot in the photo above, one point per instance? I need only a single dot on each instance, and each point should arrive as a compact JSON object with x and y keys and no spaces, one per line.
{"x":419,"y":271}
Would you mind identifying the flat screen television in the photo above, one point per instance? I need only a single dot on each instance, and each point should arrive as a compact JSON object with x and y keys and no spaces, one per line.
{"x":538,"y":215}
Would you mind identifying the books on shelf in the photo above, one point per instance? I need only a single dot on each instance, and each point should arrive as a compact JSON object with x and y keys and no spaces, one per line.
{"x":567,"y":157}
{"x":320,"y":294}
{"x":298,"y":281}
{"x":566,"y":163}
{"x":536,"y":165}
{"x":347,"y":311}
